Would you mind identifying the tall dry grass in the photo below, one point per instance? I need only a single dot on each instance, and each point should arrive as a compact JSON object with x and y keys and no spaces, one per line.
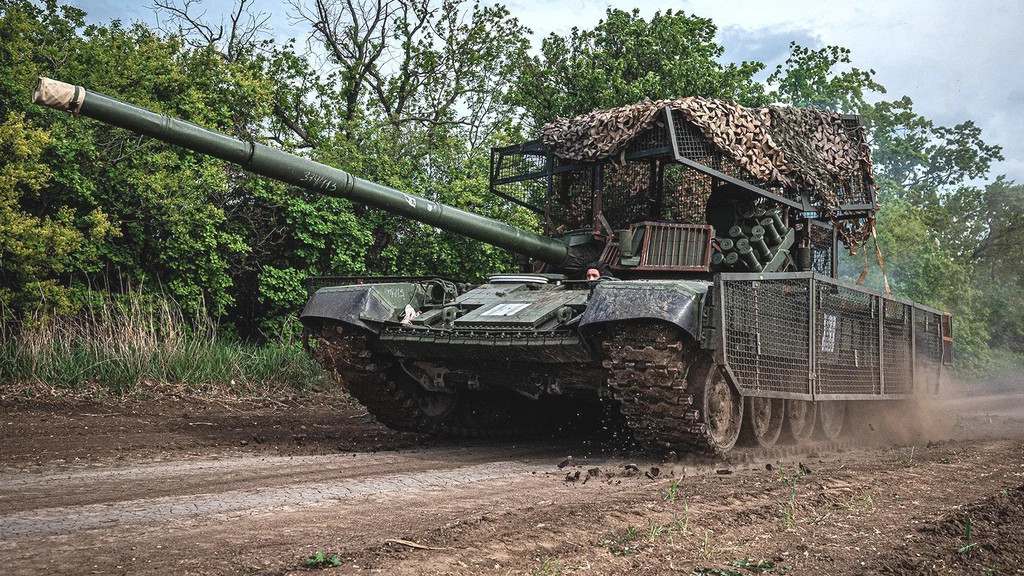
{"x":140,"y":342}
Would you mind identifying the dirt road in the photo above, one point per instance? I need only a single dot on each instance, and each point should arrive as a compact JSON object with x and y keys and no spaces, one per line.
{"x":218,"y":487}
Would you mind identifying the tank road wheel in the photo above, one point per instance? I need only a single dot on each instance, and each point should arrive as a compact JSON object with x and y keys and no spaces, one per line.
{"x":763,"y":421}
{"x":436,"y":406}
{"x":832,"y":416}
{"x":800,"y":416}
{"x":720,"y":405}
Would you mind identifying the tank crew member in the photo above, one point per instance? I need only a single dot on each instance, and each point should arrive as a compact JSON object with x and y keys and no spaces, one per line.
{"x":597,"y":271}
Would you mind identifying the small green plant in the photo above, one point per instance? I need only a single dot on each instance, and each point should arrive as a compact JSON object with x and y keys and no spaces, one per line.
{"x":684,"y":524}
{"x":707,"y":549}
{"x":757,"y":567}
{"x":669,"y":494}
{"x":869,"y":499}
{"x":655,"y":531}
{"x":789,"y":507}
{"x":716,"y":572}
{"x":624,"y":545}
{"x":971,"y":547}
{"x":321,"y":560}
{"x":548,"y":567}
{"x":907,"y":459}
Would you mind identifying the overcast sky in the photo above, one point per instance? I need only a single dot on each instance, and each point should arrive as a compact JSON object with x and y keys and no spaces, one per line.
{"x":957,"y":60}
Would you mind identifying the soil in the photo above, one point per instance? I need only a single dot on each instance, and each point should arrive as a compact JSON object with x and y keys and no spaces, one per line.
{"x":176,"y":485}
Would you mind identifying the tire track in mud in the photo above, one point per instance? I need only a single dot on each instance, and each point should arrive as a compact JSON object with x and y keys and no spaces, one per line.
{"x":50,"y":521}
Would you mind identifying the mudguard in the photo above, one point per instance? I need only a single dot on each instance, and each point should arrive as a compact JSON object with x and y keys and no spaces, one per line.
{"x":675,"y":301}
{"x":365,"y":306}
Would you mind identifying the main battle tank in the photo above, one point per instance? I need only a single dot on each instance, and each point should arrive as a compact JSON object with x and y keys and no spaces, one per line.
{"x":719,"y":314}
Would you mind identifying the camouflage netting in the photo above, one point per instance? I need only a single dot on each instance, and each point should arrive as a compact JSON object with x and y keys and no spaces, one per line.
{"x":792,"y":147}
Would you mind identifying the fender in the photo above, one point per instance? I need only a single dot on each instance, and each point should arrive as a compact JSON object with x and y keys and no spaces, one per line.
{"x":676,"y":301}
{"x":366,"y":306}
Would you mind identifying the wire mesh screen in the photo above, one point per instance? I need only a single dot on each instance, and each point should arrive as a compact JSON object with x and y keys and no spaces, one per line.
{"x":822,"y":238}
{"x":928,"y":348}
{"x":693,"y":145}
{"x":686,"y":194}
{"x":650,"y":142}
{"x":766,"y":338}
{"x":847,"y":342}
{"x":628,"y":192}
{"x":520,"y":176}
{"x":896,"y":334}
{"x":766,"y":335}
{"x":572,"y":197}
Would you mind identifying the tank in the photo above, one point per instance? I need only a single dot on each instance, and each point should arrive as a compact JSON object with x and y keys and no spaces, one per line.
{"x":685,"y":281}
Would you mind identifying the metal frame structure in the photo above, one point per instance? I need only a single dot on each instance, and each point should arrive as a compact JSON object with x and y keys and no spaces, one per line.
{"x":674,"y":140}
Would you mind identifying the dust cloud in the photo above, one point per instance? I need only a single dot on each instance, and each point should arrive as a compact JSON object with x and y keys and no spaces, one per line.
{"x":962,"y":409}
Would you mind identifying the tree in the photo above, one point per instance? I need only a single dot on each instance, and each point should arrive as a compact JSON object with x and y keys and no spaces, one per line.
{"x":913,"y":154}
{"x":625,"y":59}
{"x":812,"y":79}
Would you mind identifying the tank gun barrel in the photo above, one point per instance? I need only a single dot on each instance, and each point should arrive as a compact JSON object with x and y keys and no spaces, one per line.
{"x":296,"y":170}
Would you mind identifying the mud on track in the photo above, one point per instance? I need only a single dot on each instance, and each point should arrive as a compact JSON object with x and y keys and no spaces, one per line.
{"x":220,"y":487}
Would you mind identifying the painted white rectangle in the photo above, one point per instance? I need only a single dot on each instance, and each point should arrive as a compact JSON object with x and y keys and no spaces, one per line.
{"x":504,"y":309}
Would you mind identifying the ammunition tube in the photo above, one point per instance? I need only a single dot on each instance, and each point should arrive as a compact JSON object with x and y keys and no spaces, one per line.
{"x":779,"y":224}
{"x":742,"y":244}
{"x":725,"y":244}
{"x":717,"y":259}
{"x":749,"y":258}
{"x":768,"y":225}
{"x":731,"y":259}
{"x":757,"y":241}
{"x":736,"y":232}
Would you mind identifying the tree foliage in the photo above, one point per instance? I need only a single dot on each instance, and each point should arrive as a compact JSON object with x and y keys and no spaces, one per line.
{"x":625,"y":59}
{"x":412,"y":94}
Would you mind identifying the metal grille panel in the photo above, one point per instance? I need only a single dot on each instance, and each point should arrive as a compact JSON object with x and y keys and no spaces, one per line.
{"x":767,"y":337}
{"x":677,"y":246}
{"x":692,"y":145}
{"x":650,"y":142}
{"x":520,"y":176}
{"x":628,"y":192}
{"x":686,"y":194}
{"x":861,"y":344}
{"x":897,"y":373}
{"x":572,"y":197}
{"x":847,"y":347}
{"x":928,"y":347}
{"x":822,"y":237}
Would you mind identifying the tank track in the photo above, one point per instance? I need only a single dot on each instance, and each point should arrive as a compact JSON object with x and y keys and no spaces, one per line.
{"x":345,"y":352}
{"x":649,"y":365}
{"x":379,"y":384}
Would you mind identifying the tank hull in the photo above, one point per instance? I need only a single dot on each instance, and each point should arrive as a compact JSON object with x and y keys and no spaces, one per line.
{"x":679,"y":361}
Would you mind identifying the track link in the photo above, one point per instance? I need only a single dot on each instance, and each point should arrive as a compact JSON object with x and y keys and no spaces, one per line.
{"x":379,"y":384}
{"x":648,"y":366}
{"x":346,"y":353}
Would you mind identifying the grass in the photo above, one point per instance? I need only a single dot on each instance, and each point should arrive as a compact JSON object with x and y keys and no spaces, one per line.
{"x":970,"y":547}
{"x":548,"y":567}
{"x":789,"y":507}
{"x":122,"y":347}
{"x":906,"y":460}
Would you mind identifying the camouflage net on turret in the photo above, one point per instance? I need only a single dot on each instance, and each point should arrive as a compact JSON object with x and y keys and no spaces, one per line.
{"x":796,"y":148}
